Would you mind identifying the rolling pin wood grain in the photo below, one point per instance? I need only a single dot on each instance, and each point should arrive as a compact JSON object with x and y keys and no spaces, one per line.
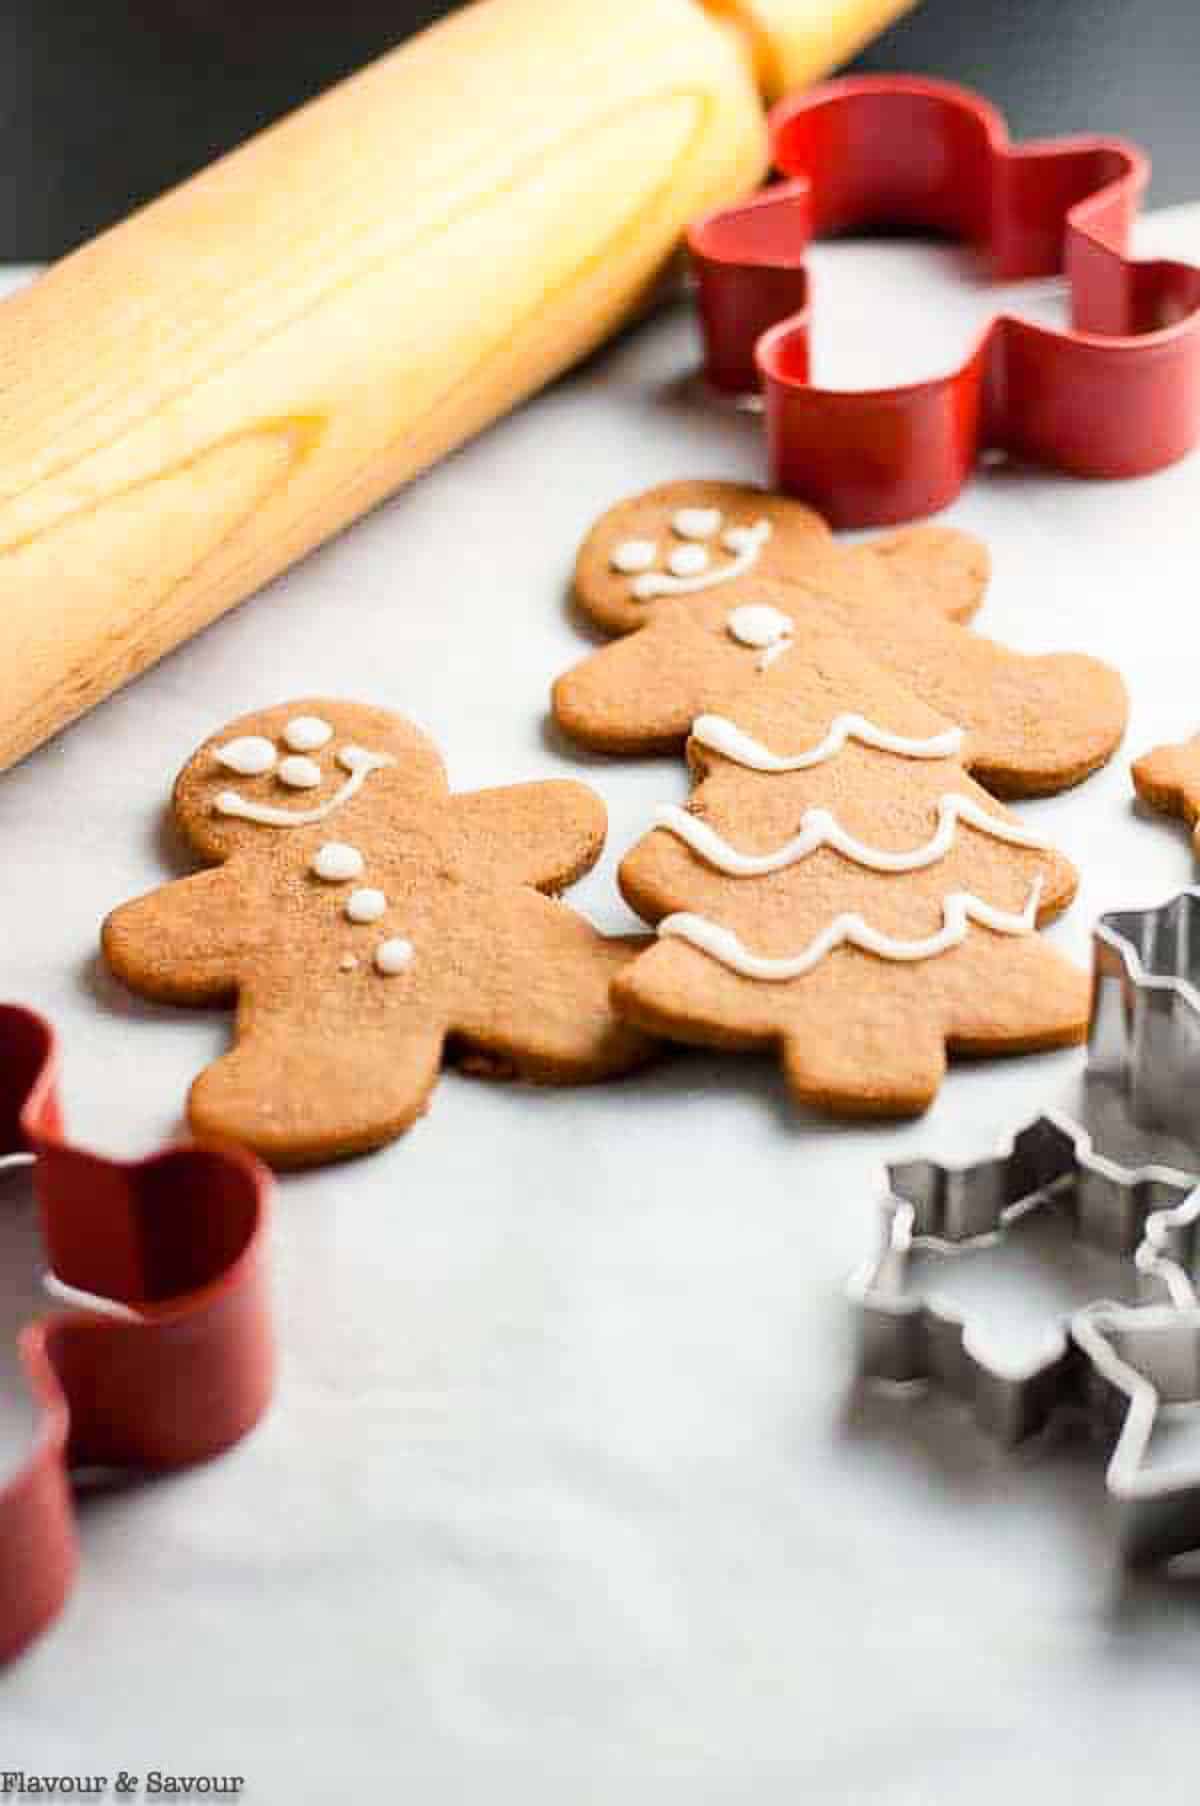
{"x":208,"y":391}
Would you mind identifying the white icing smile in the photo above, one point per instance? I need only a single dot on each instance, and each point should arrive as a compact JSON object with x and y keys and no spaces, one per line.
{"x":959,"y":910}
{"x":355,"y":760}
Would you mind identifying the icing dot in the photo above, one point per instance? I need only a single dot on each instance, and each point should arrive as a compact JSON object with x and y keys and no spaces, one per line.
{"x":758,"y":624}
{"x":365,"y":905}
{"x":337,"y":863}
{"x":306,"y":733}
{"x":740,"y":539}
{"x":353,"y":758}
{"x":687,"y":561}
{"x":633,"y":555}
{"x":696,"y":523}
{"x":227,"y":802}
{"x":250,"y":756}
{"x":300,"y":774}
{"x":348,"y":963}
{"x":392,"y":956}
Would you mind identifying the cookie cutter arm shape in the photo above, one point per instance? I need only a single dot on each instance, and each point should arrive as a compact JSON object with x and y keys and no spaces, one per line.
{"x":1116,"y":395}
{"x":179,"y":1369}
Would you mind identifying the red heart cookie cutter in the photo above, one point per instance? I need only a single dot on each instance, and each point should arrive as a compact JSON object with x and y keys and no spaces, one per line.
{"x":179,"y":1363}
{"x":1117,"y":395}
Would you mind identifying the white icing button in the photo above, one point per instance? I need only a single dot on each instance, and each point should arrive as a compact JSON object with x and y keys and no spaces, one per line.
{"x":738,"y":539}
{"x":250,"y":756}
{"x":696,"y":523}
{"x":348,"y":963}
{"x":306,"y":733}
{"x":633,"y":555}
{"x":337,"y":863}
{"x":687,"y":561}
{"x":392,"y":956}
{"x":758,"y":624}
{"x":300,"y":774}
{"x":365,"y":905}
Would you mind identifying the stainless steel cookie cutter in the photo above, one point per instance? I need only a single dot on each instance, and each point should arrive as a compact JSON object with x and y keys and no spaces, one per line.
{"x":908,"y":1334}
{"x":1126,"y":1368}
{"x":1145,"y":1027}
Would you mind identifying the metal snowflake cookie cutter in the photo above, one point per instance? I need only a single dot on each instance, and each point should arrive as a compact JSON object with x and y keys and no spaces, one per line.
{"x":1145,"y":1025}
{"x":158,"y":1352}
{"x":908,"y":1334}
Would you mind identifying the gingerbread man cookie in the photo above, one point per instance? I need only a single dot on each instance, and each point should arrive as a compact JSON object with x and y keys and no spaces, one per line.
{"x":713,"y":584}
{"x":838,"y":888}
{"x":1168,"y":779}
{"x":363,"y":917}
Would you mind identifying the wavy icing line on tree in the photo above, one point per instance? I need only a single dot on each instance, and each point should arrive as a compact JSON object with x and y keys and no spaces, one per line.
{"x":725,"y":737}
{"x":959,"y":910}
{"x":357,"y":760}
{"x":821,"y":828}
{"x":688,"y":566}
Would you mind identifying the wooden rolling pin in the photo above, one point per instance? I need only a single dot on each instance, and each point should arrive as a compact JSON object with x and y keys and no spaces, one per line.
{"x":202,"y":395}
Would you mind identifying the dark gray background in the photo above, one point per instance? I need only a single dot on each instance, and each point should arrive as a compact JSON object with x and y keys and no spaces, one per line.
{"x":104,"y":103}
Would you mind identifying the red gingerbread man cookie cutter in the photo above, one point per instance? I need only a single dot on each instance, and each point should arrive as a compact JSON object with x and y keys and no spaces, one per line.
{"x":1116,"y":395}
{"x":176,"y":1366}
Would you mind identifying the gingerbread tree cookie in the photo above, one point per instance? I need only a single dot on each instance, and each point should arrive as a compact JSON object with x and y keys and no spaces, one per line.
{"x":1168,"y":779}
{"x":839,"y":889}
{"x":363,"y":917}
{"x":711,"y":583}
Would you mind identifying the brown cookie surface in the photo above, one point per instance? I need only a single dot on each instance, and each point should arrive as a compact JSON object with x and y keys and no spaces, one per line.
{"x":1168,"y":779}
{"x":362,"y":915}
{"x":675,"y":571}
{"x":838,"y":888}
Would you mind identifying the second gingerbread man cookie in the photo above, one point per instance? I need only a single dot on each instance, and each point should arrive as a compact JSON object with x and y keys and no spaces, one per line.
{"x":363,"y":917}
{"x":713,"y":583}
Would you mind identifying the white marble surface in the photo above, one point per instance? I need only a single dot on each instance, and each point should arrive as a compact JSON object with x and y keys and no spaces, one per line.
{"x":565,"y":1495}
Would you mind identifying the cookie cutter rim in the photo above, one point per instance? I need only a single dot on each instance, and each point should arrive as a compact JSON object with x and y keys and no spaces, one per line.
{"x":175,"y":1371}
{"x":1115,"y":394}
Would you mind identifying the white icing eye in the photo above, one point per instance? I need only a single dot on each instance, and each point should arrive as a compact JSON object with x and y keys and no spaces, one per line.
{"x":696,"y":523}
{"x":688,"y":561}
{"x":365,"y":905}
{"x":353,"y":758}
{"x":299,"y":774}
{"x":392,"y":956}
{"x":307,"y":733}
{"x":337,"y":863}
{"x":741,"y":539}
{"x":758,"y":624}
{"x":250,"y":756}
{"x":633,"y":555}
